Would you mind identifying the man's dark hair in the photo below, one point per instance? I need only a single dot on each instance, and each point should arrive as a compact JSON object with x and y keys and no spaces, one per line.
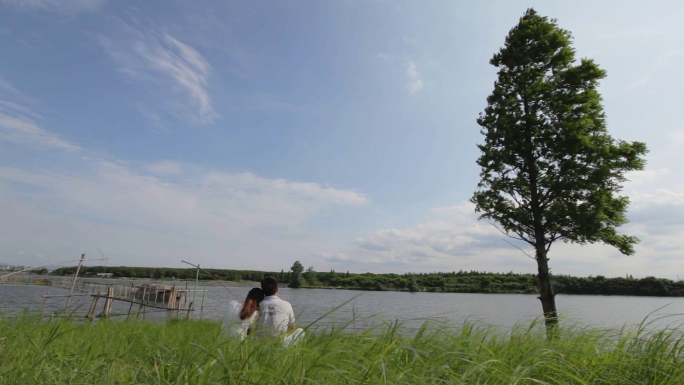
{"x":269,"y":285}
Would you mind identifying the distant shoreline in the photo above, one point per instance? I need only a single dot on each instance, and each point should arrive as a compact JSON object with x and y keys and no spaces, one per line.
{"x":439,"y":282}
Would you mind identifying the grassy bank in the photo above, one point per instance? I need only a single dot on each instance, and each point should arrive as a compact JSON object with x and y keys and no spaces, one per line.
{"x":193,"y":352}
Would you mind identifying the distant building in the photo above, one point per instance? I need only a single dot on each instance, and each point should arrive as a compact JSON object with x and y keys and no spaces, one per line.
{"x":13,"y":268}
{"x":105,"y":275}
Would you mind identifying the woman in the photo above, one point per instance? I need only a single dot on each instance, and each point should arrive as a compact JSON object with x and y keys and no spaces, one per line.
{"x":241,"y":315}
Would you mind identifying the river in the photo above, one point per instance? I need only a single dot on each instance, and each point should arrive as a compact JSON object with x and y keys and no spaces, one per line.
{"x":372,"y":308}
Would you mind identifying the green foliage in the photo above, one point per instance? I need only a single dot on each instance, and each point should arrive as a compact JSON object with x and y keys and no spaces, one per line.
{"x":296,"y":280}
{"x":550,"y":170}
{"x":413,"y":285}
{"x":194,"y":352}
{"x":453,"y":282}
{"x":171,"y":273}
{"x":310,"y":276}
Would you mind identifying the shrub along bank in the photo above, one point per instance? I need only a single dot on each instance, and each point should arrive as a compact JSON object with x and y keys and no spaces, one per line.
{"x":452,"y":282}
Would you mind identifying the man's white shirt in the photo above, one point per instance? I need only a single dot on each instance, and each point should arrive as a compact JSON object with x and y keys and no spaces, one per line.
{"x":276,"y":315}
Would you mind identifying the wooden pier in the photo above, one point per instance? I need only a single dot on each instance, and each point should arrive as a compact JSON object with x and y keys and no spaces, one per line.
{"x":141,"y":297}
{"x":157,"y":296}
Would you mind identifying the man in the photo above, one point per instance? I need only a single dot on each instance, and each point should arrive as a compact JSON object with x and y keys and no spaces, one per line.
{"x":276,"y":315}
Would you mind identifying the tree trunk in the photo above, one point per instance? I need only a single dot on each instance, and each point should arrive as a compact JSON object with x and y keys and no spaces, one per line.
{"x":546,"y":294}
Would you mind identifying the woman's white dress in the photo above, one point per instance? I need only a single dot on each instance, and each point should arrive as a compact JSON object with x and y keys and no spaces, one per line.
{"x":232,"y":324}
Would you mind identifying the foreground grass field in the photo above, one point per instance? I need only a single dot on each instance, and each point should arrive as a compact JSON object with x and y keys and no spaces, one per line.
{"x":194,"y":352}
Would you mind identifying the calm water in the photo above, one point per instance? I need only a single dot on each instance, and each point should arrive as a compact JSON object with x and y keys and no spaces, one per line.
{"x":410,"y":309}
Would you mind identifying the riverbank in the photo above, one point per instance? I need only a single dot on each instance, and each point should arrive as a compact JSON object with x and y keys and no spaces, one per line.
{"x":447,"y":282}
{"x":194,"y":352}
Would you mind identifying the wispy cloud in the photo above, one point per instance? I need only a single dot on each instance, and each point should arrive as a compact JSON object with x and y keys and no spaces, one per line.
{"x":21,"y":130}
{"x":661,"y":64}
{"x":268,"y":103}
{"x":454,"y":239}
{"x":166,"y":167}
{"x":383,"y":56}
{"x":206,"y":200}
{"x":152,"y":117}
{"x":17,"y":125}
{"x":414,"y":80}
{"x":57,"y":6}
{"x":453,"y":236}
{"x":6,"y":86}
{"x":174,"y":67}
{"x":224,"y":219}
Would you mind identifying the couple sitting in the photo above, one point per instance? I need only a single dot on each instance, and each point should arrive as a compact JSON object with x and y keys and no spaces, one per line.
{"x":264,"y":311}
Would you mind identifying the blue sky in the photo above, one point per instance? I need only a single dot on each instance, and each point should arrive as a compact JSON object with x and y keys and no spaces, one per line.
{"x":341,"y":134}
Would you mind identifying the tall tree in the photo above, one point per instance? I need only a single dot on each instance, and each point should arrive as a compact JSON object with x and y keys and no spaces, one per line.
{"x":310,"y":276}
{"x":549,"y":169}
{"x":296,"y":278}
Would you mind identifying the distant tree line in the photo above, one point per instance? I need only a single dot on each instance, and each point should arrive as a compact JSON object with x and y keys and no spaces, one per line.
{"x":166,"y":273}
{"x":451,"y":282}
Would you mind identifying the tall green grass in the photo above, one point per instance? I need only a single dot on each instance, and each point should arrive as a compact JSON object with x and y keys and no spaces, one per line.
{"x":194,"y":352}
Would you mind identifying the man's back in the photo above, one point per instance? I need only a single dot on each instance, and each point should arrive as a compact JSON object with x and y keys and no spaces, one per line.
{"x":276,"y":315}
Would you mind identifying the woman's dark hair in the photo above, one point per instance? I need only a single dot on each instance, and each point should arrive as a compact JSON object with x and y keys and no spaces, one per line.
{"x":251,"y":303}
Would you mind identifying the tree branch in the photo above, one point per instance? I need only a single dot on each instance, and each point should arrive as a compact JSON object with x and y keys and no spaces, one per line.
{"x":510,"y":236}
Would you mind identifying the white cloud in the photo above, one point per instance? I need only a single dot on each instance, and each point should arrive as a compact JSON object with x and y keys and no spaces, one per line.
{"x":660,"y":64}
{"x":383,"y":56}
{"x":268,"y":103}
{"x":165,"y":167}
{"x":644,"y":177}
{"x":453,"y":240}
{"x":414,"y":80}
{"x":209,"y":202}
{"x":675,"y":142}
{"x":220,"y":219}
{"x":174,"y":67}
{"x":7,"y":86}
{"x":152,"y":117}
{"x":16,"y":126}
{"x":57,"y":6}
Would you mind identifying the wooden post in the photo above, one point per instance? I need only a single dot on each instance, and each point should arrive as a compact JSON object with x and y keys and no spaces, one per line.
{"x":174,"y":296}
{"x":129,"y":309}
{"x":42,"y":311}
{"x":204,"y":292}
{"x":108,"y":302}
{"x":172,"y":305}
{"x":80,"y":263}
{"x":187,"y":316}
{"x":93,"y":306}
{"x":194,"y":293}
{"x":142,"y":302}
